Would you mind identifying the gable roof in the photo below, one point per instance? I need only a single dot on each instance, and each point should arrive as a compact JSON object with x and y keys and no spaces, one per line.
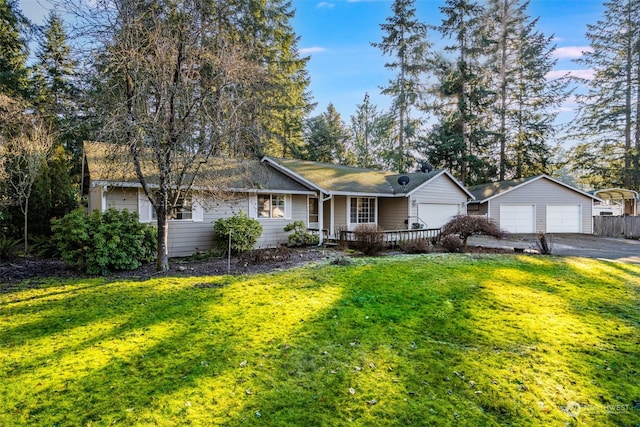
{"x":349,"y":180}
{"x":112,"y":165}
{"x":486,"y":192}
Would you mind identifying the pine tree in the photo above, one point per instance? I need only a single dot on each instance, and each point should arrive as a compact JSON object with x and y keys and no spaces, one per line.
{"x":406,"y":41}
{"x":13,"y":50}
{"x":284,"y":99}
{"x":608,"y":124}
{"x":371,"y":133}
{"x":519,"y":60}
{"x":463,"y":94}
{"x":326,"y":138}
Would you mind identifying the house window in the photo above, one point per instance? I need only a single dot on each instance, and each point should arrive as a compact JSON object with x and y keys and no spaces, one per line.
{"x":313,"y":209}
{"x":183,"y":209}
{"x":363,"y":210}
{"x":271,"y":206}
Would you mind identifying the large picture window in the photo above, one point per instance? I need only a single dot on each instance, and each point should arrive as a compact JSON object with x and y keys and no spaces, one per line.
{"x":363,"y":210}
{"x":271,"y":205}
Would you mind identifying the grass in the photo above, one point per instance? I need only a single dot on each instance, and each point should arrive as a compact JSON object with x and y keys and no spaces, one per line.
{"x":414,"y":340}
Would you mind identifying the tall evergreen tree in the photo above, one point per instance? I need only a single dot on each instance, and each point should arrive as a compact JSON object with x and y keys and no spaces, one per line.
{"x":461,"y":82}
{"x":55,"y":97}
{"x":284,"y":98}
{"x":406,"y":41}
{"x":13,"y":50}
{"x":608,"y":124}
{"x":371,"y":134}
{"x":518,"y":62}
{"x":326,"y":138}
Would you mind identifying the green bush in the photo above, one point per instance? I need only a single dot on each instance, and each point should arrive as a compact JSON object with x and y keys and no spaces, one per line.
{"x":102,"y":242}
{"x":8,"y":246}
{"x":244,"y":232}
{"x":300,"y":236}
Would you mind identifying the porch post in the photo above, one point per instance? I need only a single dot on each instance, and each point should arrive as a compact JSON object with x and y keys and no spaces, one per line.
{"x":320,"y":218}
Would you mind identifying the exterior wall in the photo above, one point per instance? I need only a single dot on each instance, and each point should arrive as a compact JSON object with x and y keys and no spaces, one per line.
{"x":482,"y":209}
{"x":123,"y":198}
{"x":541,"y":193}
{"x":440,"y":190}
{"x":187,"y":237}
{"x":340,"y":214}
{"x":95,"y":198}
{"x":273,"y":233}
{"x":392,"y":213}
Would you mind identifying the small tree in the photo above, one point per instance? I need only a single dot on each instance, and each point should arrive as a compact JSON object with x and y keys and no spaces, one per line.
{"x":25,"y":148}
{"x":465,"y":226}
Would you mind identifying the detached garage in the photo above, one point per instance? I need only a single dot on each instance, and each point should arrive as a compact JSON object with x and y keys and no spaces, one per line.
{"x":535,"y":204}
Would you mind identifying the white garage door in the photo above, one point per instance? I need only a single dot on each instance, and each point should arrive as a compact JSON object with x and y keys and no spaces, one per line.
{"x":564,"y":219}
{"x":435,"y":215}
{"x":517,"y":218}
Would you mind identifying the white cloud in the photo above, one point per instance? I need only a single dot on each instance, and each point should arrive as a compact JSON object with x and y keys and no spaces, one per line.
{"x":570,"y":52}
{"x":581,"y":74}
{"x":310,"y":50}
{"x":325,"y":5}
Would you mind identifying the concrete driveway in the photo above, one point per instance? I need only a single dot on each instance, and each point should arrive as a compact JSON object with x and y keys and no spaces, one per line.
{"x":581,"y":245}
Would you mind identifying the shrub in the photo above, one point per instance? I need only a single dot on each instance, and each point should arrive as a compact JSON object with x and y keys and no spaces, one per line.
{"x":8,"y":246}
{"x":244,"y":232}
{"x":102,"y":242}
{"x":416,"y":246}
{"x":451,"y":243}
{"x":465,"y":226}
{"x":300,"y":236}
{"x":44,"y":247}
{"x":369,"y":239}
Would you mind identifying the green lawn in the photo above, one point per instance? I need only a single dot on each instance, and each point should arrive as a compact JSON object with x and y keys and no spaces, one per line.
{"x":413,"y":340}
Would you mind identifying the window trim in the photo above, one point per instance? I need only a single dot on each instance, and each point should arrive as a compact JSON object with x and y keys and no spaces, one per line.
{"x":284,"y":206}
{"x":373,"y":211}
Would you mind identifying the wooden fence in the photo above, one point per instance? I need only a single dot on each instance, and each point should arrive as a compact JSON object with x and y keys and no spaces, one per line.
{"x":617,"y":226}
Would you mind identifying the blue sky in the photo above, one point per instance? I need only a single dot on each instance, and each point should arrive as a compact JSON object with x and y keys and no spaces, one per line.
{"x":337,"y":35}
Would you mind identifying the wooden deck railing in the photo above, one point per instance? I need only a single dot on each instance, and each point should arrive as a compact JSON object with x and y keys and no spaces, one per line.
{"x":393,"y":238}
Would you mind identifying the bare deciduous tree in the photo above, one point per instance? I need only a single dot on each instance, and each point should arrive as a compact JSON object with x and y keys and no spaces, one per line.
{"x":174,"y":88}
{"x":25,"y":145}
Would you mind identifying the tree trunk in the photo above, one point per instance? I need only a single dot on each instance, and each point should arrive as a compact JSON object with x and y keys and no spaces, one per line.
{"x":162,"y":263}
{"x":26,"y":223}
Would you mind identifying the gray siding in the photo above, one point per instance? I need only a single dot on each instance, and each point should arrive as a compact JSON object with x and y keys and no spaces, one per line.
{"x":541,"y":193}
{"x":273,"y":233}
{"x":440,"y":190}
{"x":392,"y":213}
{"x":187,"y":237}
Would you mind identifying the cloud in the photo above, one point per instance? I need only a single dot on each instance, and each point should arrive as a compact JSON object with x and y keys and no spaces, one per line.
{"x":581,"y":74}
{"x":325,"y":5}
{"x":314,"y":49}
{"x":570,"y":52}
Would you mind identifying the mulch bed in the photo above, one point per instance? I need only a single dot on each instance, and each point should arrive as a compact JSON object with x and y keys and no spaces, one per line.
{"x":35,"y":270}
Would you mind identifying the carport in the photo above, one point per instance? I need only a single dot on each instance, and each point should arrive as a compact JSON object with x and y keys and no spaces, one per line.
{"x":626,"y":201}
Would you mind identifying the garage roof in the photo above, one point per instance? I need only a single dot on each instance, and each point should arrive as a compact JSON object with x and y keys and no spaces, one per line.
{"x":486,"y":192}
